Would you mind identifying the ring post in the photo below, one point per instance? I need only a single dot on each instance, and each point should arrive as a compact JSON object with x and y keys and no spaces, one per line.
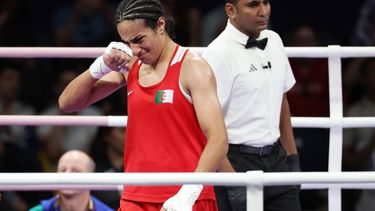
{"x":336,"y":116}
{"x":254,"y":191}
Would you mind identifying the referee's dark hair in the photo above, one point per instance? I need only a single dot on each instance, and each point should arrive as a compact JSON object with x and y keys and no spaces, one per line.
{"x":232,"y":1}
{"x":149,"y":10}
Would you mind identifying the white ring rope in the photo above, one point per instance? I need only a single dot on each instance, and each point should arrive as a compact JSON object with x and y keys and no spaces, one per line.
{"x":121,"y":121}
{"x":113,"y":180}
{"x":111,"y":121}
{"x":50,"y":52}
{"x":39,"y":187}
{"x":91,"y":52}
{"x":334,"y":179}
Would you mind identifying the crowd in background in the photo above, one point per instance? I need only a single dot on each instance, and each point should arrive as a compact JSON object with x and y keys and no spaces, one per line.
{"x":31,"y":86}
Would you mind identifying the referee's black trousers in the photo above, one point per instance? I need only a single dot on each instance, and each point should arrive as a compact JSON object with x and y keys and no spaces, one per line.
{"x":276,"y":198}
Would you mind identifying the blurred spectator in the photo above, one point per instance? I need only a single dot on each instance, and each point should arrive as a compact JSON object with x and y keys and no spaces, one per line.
{"x":352,"y":87}
{"x":15,"y":156}
{"x":359,"y":143}
{"x":15,"y":29}
{"x":365,"y":26}
{"x":13,"y":159}
{"x":56,"y":139}
{"x":206,"y":18}
{"x":197,"y":23}
{"x":351,"y":73}
{"x":108,"y":153}
{"x":213,"y":23}
{"x":10,"y":104}
{"x":73,"y":161}
{"x":180,"y":14}
{"x":309,"y":98}
{"x":40,"y":18}
{"x":12,"y":201}
{"x":84,"y":23}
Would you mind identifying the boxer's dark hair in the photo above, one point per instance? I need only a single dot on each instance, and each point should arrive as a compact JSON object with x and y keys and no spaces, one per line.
{"x":149,"y":10}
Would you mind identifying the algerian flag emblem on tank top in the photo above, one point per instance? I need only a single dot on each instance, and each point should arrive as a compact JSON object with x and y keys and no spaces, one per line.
{"x":164,"y":96}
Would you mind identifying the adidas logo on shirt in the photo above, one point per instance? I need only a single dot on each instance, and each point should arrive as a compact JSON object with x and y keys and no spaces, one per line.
{"x":252,"y":68}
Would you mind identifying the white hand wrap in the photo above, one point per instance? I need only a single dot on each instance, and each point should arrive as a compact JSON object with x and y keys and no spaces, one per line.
{"x":98,"y":69}
{"x":184,"y":199}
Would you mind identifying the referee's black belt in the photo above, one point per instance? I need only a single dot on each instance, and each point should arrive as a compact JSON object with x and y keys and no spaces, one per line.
{"x":261,"y":151}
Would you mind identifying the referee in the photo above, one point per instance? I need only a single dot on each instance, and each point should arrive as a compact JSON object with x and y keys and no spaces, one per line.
{"x":253,"y":75}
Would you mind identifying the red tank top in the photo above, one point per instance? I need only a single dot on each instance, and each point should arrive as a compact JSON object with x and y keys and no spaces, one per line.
{"x":163,"y":133}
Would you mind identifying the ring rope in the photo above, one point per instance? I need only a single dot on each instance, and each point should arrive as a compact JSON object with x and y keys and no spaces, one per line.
{"x":336,"y":122}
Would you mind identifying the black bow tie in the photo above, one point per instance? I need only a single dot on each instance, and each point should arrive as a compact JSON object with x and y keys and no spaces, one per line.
{"x":261,"y":44}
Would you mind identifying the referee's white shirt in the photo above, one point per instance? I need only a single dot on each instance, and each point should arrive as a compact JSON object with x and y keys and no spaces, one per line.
{"x":250,"y":92}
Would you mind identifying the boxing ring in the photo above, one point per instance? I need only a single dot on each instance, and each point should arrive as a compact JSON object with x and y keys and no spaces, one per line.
{"x":334,"y":180}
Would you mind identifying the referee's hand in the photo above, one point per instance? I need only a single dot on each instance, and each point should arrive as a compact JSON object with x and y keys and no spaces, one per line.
{"x":293,"y":163}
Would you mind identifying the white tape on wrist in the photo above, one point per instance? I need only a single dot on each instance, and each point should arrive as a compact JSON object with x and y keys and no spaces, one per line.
{"x":98,"y":69}
{"x":184,"y":199}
